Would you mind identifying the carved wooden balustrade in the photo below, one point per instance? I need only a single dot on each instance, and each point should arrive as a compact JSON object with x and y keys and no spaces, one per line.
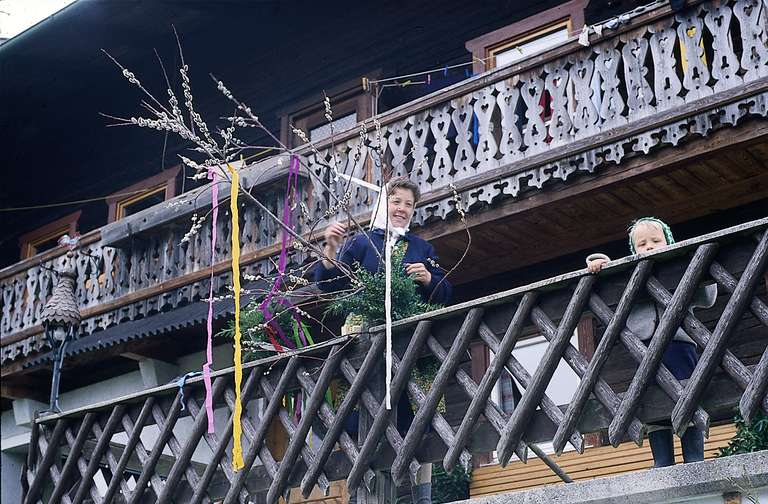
{"x":659,"y":80}
{"x":159,"y":436}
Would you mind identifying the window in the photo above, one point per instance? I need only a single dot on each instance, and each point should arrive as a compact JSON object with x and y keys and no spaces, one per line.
{"x":560,"y":389}
{"x":142,"y":195}
{"x":47,"y":237}
{"x":532,"y":43}
{"x":349,"y":107}
{"x":139,"y":202}
{"x":527,"y":36}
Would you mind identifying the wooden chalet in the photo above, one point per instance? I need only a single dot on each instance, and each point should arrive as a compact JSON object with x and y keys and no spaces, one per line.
{"x":555,"y":123}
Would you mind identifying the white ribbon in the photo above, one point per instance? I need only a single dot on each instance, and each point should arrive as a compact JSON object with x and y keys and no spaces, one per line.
{"x":380,"y":220}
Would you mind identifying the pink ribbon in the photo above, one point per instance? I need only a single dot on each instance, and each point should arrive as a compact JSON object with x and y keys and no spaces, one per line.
{"x":209,"y":348}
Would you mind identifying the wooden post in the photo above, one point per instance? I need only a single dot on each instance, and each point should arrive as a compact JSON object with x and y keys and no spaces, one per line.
{"x":384,"y":491}
{"x":587,"y":346}
{"x":480,"y":360}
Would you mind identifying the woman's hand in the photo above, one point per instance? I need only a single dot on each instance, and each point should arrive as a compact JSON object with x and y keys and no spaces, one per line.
{"x":334,"y":235}
{"x":419,"y":273}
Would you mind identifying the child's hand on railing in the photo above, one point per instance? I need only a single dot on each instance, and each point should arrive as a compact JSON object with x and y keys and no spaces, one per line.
{"x":595,"y":262}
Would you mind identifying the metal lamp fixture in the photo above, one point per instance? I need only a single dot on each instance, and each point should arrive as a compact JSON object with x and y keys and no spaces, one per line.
{"x":61,"y":318}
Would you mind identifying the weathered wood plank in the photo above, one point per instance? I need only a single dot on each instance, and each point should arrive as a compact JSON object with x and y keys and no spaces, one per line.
{"x":218,"y":444}
{"x":173,"y":443}
{"x":438,"y":421}
{"x":249,"y":431}
{"x":55,"y":473}
{"x":669,"y":322}
{"x":49,"y":456}
{"x":181,"y":464}
{"x":74,"y":454}
{"x":101,"y":447}
{"x":712,"y":354}
{"x":134,"y":436}
{"x":392,"y":435}
{"x":399,"y":382}
{"x":700,"y":334}
{"x":275,"y":400}
{"x":290,"y":426}
{"x":155,"y":482}
{"x":756,"y":389}
{"x":548,"y":406}
{"x":308,"y":413}
{"x":604,"y":393}
{"x":347,"y":444}
{"x":664,"y":377}
{"x":513,"y":431}
{"x":109,"y":455}
{"x":358,"y":385}
{"x":490,"y":377}
{"x":575,"y":407}
{"x":148,"y":468}
{"x":427,"y":409}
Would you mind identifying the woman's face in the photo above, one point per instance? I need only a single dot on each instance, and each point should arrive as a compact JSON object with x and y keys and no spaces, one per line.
{"x":400,"y":207}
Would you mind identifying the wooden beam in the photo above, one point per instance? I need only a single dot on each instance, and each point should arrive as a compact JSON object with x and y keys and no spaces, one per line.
{"x":12,"y":390}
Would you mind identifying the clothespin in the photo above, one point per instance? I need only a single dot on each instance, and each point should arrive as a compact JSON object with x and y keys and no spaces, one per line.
{"x":467,"y":72}
{"x":366,"y":84}
{"x":429,"y":79}
{"x":584,"y":36}
{"x":445,"y":71}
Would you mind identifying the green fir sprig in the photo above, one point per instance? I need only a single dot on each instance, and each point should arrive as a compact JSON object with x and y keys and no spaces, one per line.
{"x":750,"y":437}
{"x":367,"y":296}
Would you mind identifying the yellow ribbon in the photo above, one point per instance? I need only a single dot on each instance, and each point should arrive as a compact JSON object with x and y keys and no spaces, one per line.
{"x":237,"y":447}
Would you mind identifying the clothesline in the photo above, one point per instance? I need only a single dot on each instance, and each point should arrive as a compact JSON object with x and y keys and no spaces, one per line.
{"x":597,"y":28}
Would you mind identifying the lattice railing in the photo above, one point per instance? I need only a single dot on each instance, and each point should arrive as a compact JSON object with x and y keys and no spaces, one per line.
{"x":149,"y":434}
{"x":661,"y":79}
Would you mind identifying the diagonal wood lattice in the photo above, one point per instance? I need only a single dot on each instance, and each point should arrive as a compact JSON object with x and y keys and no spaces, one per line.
{"x":150,"y":450}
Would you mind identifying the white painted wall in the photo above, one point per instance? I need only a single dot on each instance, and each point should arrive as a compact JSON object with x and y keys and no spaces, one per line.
{"x":10,"y":467}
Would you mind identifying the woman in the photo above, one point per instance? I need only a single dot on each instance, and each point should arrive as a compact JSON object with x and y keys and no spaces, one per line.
{"x":420,"y":263}
{"x":420,"y":259}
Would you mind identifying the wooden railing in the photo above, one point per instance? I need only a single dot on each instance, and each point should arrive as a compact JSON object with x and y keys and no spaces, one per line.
{"x":659,"y":80}
{"x":69,"y":448}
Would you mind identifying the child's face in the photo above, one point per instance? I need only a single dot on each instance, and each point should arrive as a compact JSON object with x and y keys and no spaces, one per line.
{"x":648,"y":236}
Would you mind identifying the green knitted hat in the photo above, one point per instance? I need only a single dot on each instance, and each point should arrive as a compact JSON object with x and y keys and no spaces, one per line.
{"x":664,"y":228}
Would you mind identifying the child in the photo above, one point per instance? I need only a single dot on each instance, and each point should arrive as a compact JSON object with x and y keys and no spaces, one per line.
{"x":645,"y":235}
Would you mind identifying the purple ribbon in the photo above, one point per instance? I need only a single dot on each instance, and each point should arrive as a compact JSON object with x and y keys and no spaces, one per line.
{"x":293,"y":177}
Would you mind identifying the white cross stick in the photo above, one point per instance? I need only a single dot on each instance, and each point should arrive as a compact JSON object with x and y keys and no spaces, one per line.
{"x":379,"y":215}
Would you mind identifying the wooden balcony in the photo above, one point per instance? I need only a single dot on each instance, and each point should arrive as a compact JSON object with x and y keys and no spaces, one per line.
{"x":148,"y":438}
{"x":659,"y":80}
